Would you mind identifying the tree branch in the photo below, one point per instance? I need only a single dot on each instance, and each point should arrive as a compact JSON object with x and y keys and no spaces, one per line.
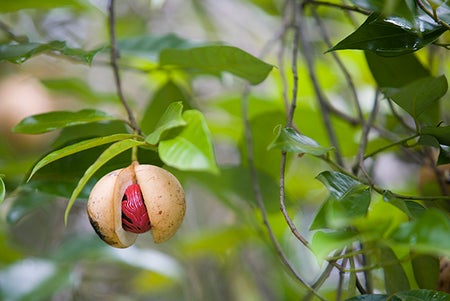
{"x":114,"y":57}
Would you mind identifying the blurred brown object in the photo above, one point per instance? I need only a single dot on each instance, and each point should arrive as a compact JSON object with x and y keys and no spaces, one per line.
{"x":444,"y":275}
{"x":22,"y":96}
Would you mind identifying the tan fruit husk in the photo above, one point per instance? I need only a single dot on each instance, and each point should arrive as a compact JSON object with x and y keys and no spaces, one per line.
{"x":105,"y":208}
{"x":163,"y":197}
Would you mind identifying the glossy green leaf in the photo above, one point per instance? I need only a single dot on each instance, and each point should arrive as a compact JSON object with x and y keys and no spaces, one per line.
{"x":323,"y":243}
{"x":349,"y":199}
{"x":172,"y":118}
{"x":77,"y":147}
{"x":111,"y":152}
{"x":426,"y":270}
{"x":444,"y":155}
{"x":217,"y":59}
{"x":46,"y":122}
{"x":2,"y":190}
{"x":395,"y":278}
{"x":19,"y":53}
{"x":422,"y":295}
{"x":11,"y":6}
{"x":148,"y":46}
{"x":374,"y":297}
{"x":192,"y":148}
{"x":418,"y":96}
{"x":385,"y":38}
{"x":289,"y":140}
{"x":427,"y":234}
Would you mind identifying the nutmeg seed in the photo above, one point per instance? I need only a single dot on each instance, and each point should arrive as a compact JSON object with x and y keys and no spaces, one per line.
{"x":134,"y":200}
{"x":134,"y":213}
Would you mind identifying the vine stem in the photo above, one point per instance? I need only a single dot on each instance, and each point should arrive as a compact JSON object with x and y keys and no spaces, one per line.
{"x":114,"y":53}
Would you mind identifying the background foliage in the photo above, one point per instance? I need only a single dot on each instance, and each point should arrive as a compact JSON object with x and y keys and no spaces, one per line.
{"x":312,"y":139}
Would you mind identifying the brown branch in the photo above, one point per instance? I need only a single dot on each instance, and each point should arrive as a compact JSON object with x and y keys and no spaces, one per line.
{"x":114,"y":57}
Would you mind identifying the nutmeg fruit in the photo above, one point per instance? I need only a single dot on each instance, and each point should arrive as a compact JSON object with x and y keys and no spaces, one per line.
{"x":133,"y":200}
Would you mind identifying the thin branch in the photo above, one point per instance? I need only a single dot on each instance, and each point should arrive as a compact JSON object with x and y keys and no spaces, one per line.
{"x":338,"y":6}
{"x":341,"y":66}
{"x":259,"y":197}
{"x":289,"y":123}
{"x":7,"y":29}
{"x":325,"y":113}
{"x":114,"y":57}
{"x":432,"y":14}
{"x":365,"y":139}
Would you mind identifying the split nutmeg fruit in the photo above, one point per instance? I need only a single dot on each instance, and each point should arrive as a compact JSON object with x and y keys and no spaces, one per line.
{"x":134,"y":200}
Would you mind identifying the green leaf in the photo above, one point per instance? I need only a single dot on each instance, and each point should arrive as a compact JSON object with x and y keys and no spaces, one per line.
{"x":2,"y":190}
{"x":428,"y":234}
{"x":148,"y":46}
{"x":289,"y":140}
{"x":11,"y":6}
{"x":217,"y":59}
{"x":418,"y":96}
{"x":192,"y":149}
{"x":111,"y":152}
{"x":395,"y":72}
{"x":169,"y":120}
{"x":19,"y":53}
{"x":411,"y":208}
{"x":395,"y":278}
{"x":167,"y":93}
{"x":46,"y":122}
{"x":385,"y":38}
{"x":348,"y":200}
{"x":441,"y":133}
{"x":323,"y":243}
{"x":422,"y":295}
{"x":426,"y":270}
{"x":77,"y":147}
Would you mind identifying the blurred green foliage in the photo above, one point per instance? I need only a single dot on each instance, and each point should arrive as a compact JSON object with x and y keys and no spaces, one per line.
{"x":303,"y":127}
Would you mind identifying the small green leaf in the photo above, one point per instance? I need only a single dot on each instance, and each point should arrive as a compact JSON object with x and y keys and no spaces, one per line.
{"x":172,"y":118}
{"x":422,"y":295}
{"x":46,"y":122}
{"x":289,"y":140}
{"x":418,"y":96}
{"x":192,"y":149}
{"x":385,"y":38}
{"x":217,"y":59}
{"x":77,"y":147}
{"x":395,"y":278}
{"x":2,"y":190}
{"x":111,"y":152}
